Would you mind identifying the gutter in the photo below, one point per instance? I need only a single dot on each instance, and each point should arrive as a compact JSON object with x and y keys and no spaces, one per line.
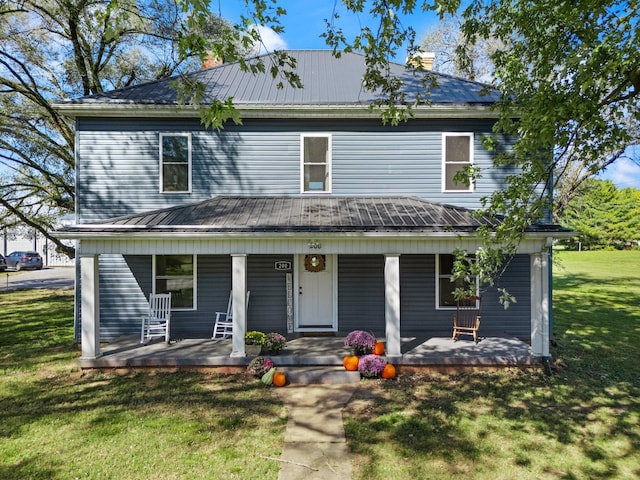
{"x":128,"y":110}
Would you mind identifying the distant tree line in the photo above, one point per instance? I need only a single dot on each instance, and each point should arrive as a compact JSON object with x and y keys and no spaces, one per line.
{"x":603,"y":216}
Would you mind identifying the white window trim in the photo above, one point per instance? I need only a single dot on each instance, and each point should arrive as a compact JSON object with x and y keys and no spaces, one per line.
{"x":447,"y":307}
{"x":195,"y":281}
{"x":161,"y":164}
{"x":444,"y":160}
{"x":329,"y":136}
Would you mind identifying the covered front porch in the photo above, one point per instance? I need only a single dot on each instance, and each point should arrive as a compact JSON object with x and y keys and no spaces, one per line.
{"x":381,"y":272}
{"x":433,"y":352}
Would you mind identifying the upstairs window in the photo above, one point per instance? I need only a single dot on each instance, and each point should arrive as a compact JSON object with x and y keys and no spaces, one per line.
{"x":315,"y":153}
{"x":444,"y":286}
{"x":175,"y":163}
{"x":457,"y":155}
{"x":176,"y":274}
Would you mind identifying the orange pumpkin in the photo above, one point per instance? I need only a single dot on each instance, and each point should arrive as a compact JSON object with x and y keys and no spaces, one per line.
{"x":279,"y":379}
{"x":350,"y":363}
{"x":389,"y":371}
{"x":378,"y":349}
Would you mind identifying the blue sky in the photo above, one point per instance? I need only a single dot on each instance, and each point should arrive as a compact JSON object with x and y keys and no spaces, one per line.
{"x":304,"y":23}
{"x":305,"y":20}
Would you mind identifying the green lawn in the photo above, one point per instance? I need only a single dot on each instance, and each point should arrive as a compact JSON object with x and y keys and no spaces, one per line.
{"x":56,"y":423}
{"x":581,"y":423}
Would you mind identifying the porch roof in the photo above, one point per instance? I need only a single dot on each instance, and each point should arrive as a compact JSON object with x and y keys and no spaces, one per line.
{"x":300,"y":214}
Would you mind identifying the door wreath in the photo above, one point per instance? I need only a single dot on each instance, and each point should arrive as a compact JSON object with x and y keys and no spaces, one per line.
{"x":314,"y":263}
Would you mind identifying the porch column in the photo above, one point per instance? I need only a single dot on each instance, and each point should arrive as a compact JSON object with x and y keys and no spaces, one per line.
{"x":90,"y":288}
{"x":239,"y":303}
{"x":392,"y":304}
{"x":540,"y":304}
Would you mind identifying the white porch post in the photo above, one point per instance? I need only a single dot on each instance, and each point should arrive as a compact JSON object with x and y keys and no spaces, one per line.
{"x":239,"y":303}
{"x":540,"y":304}
{"x":90,"y":288}
{"x":392,"y":304}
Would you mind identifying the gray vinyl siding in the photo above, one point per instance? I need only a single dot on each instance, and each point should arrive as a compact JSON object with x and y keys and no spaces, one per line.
{"x":118,"y":164}
{"x":516,"y":320}
{"x":125,"y":284}
{"x":361,"y":293}
{"x":418,"y":300}
{"x":268,"y":300}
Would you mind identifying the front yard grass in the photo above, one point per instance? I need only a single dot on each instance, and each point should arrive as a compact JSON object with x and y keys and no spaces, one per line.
{"x":56,"y":423}
{"x":581,"y":423}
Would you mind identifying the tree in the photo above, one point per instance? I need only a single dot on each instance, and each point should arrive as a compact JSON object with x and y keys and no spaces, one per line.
{"x":569,"y":80}
{"x":603,"y":216}
{"x":569,"y":83}
{"x":446,"y":39}
{"x":52,"y":50}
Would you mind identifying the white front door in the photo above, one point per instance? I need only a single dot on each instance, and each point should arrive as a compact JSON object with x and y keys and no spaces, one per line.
{"x":317,"y":306}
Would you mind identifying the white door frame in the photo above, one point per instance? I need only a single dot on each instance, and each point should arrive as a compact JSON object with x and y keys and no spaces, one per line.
{"x":298,"y":263}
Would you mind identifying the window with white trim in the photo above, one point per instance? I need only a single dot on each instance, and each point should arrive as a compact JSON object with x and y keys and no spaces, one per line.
{"x":175,"y":162}
{"x":315,"y":158}
{"x":444,"y":286}
{"x":457,"y":155}
{"x":176,"y":274}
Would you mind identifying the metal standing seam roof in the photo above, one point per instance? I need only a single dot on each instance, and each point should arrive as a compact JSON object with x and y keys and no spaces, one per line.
{"x":327,"y":80}
{"x":300,"y":214}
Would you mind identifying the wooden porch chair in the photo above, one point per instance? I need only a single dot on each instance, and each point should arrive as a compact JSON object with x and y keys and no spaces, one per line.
{"x":466,"y":320}
{"x":223,"y":326}
{"x":156,"y":322}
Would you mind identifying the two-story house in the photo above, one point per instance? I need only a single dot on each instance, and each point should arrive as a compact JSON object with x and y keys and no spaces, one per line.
{"x":332,"y":220}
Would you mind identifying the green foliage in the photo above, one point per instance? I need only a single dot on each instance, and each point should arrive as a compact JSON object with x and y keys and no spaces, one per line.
{"x":569,"y":83}
{"x":51,"y":51}
{"x":603,"y":216}
{"x":253,"y":337}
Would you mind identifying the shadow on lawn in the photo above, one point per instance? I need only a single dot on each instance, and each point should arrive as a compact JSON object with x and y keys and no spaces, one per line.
{"x":479,"y":419}
{"x":205,"y":409}
{"x":36,"y":326}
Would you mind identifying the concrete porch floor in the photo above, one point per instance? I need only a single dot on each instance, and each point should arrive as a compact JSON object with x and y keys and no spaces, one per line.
{"x":436,"y":352}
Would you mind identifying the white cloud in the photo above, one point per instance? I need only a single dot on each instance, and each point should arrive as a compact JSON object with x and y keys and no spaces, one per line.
{"x":624,"y":173}
{"x":270,"y":40}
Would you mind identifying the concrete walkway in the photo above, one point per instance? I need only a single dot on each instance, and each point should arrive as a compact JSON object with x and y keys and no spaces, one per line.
{"x":314,"y":441}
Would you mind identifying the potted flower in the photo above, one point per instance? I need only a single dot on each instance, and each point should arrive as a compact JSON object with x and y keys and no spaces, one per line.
{"x":360,"y":341}
{"x":253,"y":341}
{"x":259,"y":366}
{"x":274,"y":343}
{"x":371,"y":365}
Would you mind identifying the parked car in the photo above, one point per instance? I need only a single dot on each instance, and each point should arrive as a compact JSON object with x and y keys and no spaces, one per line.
{"x":3,"y":264}
{"x":24,"y":260}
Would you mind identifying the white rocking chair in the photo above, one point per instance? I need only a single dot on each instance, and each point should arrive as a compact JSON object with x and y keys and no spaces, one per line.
{"x":223,"y":327}
{"x":156,"y":322}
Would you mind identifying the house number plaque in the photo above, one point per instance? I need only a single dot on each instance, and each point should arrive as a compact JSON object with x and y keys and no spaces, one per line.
{"x":283,"y":265}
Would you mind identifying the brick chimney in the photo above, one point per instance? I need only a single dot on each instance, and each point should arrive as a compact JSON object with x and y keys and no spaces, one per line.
{"x":424,"y":59}
{"x":212,"y":61}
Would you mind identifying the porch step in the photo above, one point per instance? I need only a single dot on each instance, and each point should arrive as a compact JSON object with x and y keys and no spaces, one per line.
{"x":319,"y":375}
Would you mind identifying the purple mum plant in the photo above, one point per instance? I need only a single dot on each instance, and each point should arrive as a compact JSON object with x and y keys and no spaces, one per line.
{"x":362,"y":342}
{"x":371,"y":365}
{"x":274,"y":342}
{"x":259,"y":366}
